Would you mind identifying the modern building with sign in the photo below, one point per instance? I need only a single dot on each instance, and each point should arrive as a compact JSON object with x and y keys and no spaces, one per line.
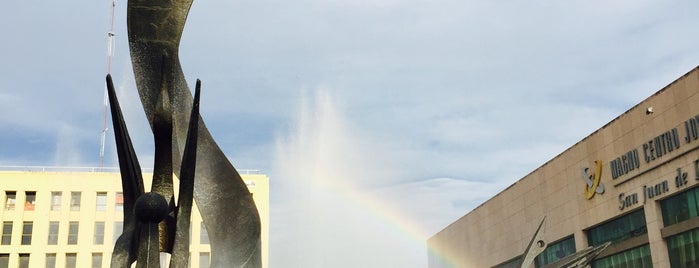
{"x":634,"y":182}
{"x":62,"y":218}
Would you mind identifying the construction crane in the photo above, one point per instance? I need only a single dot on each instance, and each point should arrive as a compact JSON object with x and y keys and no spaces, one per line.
{"x":110,"y":53}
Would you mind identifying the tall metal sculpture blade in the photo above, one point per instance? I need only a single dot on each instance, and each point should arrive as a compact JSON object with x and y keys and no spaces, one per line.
{"x":180,"y":250}
{"x":131,"y":182}
{"x":155,"y":29}
{"x":162,"y":168}
{"x":536,"y":246}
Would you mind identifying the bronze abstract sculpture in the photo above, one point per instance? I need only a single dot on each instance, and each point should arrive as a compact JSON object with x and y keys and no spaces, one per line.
{"x":227,"y":208}
{"x":580,"y":259}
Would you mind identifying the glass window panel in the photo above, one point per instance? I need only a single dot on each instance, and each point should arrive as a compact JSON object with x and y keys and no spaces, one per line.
{"x":75,"y":201}
{"x":684,"y":249}
{"x":98,"y":238}
{"x":30,"y":201}
{"x":10,"y":200}
{"x":73,"y":233}
{"x":71,"y":260}
{"x":164,"y":260}
{"x":203,"y":235}
{"x":119,"y":202}
{"x":96,"y":260}
{"x":56,"y":201}
{"x":4,"y":260}
{"x":619,"y":229}
{"x":27,"y":228}
{"x":680,"y":207}
{"x":23,"y":260}
{"x":50,"y":260}
{"x":53,"y":233}
{"x":6,"y":233}
{"x":637,"y":258}
{"x":118,"y":228}
{"x":513,"y":263}
{"x":204,"y":260}
{"x":556,"y":251}
{"x":101,"y":201}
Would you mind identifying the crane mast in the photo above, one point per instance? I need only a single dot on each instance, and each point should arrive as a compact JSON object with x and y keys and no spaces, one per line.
{"x":110,"y":53}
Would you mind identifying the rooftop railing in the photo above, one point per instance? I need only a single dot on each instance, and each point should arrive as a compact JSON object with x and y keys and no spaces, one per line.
{"x":93,"y":169}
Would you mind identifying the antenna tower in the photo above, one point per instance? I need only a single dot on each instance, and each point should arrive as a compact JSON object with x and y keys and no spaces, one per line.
{"x":110,"y":52}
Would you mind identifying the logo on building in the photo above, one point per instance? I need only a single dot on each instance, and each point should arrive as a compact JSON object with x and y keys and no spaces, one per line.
{"x":593,"y":181}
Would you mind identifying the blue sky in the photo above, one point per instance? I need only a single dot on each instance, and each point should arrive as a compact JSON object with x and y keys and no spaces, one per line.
{"x":378,"y":122}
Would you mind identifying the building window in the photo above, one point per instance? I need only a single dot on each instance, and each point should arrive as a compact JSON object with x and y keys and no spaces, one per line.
{"x":119,"y":202}
{"x":4,"y":260}
{"x":101,"y":201}
{"x":27,"y":227}
{"x":6,"y":233}
{"x":71,"y":260}
{"x":681,"y":207}
{"x":29,"y":201}
{"x":98,"y":238}
{"x":50,"y":260}
{"x":204,"y":260}
{"x":556,"y":251}
{"x":636,"y":257}
{"x":56,"y":201}
{"x":73,"y":233}
{"x":75,"y":201}
{"x":97,"y":260}
{"x":53,"y":233}
{"x":23,"y":260}
{"x":513,"y":263}
{"x":118,"y":229}
{"x":164,"y":260}
{"x":10,"y":200}
{"x":203,"y":235}
{"x":683,"y":249}
{"x":619,"y":229}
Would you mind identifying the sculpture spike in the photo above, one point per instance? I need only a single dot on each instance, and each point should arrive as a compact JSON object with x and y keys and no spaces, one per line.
{"x":131,"y":182}
{"x":180,"y":250}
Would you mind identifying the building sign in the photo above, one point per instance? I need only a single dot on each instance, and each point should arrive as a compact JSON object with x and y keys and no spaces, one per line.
{"x":652,"y":191}
{"x":625,"y":163}
{"x":593,"y":181}
{"x":655,"y":148}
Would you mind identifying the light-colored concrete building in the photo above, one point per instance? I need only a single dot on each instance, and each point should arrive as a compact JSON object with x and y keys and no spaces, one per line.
{"x":59,"y":218}
{"x":634,"y":182}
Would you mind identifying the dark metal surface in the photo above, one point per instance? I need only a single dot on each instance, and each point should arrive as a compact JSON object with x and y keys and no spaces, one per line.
{"x":142,"y":238}
{"x":131,"y":183}
{"x":226,"y":205}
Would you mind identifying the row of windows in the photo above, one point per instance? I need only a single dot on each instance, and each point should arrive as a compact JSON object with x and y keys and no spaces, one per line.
{"x":73,"y":229}
{"x":683,"y":248}
{"x":71,"y":260}
{"x":553,"y":252}
{"x":556,"y":251}
{"x":57,"y":198}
